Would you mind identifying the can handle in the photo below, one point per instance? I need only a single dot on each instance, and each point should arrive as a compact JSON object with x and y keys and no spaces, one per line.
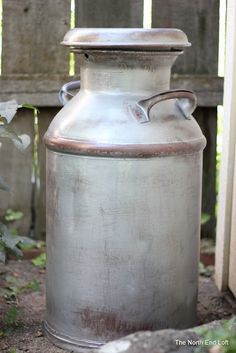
{"x":65,"y":95}
{"x":186,"y":101}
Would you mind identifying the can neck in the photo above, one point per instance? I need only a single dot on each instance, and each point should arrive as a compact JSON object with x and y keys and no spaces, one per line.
{"x":126,"y":72}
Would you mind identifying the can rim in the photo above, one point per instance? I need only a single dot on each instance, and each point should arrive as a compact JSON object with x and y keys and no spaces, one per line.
{"x":92,"y":148}
{"x":126,"y":38}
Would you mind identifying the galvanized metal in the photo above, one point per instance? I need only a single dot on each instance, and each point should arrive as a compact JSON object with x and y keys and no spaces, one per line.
{"x":124,"y":168}
{"x":126,"y":38}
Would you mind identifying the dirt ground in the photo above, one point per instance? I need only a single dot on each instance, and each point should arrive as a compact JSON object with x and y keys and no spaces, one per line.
{"x":23,"y":333}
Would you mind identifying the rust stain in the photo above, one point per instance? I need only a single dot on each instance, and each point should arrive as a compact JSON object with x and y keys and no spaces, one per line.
{"x":91,"y":148}
{"x":102,"y":323}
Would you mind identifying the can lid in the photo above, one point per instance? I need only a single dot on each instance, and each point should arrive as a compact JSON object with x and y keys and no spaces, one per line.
{"x":126,"y":38}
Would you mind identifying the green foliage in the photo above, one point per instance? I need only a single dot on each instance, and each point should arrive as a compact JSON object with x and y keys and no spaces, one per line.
{"x":10,"y":292}
{"x":40,"y":261}
{"x":12,"y":289}
{"x":13,"y":215}
{"x":6,"y":131}
{"x":10,"y":242}
{"x":205,"y":271}
{"x":33,"y":286}
{"x":205,"y":217}
{"x":32,"y":245}
{"x":9,"y":321}
{"x":224,"y":336}
{"x":10,"y":318}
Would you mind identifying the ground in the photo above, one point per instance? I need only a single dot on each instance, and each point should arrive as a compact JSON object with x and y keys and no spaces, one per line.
{"x":26,"y":283}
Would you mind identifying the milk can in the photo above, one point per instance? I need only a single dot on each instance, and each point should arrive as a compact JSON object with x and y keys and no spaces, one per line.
{"x":124,"y":170}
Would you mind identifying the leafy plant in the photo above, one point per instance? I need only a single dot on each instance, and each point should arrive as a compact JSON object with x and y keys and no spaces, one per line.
{"x":205,"y":218}
{"x":11,"y":290}
{"x":13,"y":215}
{"x":9,"y":321}
{"x":10,"y":318}
{"x":7,"y":113}
{"x":205,"y":271}
{"x":220,"y":340}
{"x":40,"y":261}
{"x":8,"y":241}
{"x":39,"y":244}
{"x":33,"y":286}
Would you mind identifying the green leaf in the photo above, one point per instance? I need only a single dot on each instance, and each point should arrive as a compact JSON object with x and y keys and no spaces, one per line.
{"x":224,"y":333}
{"x":26,"y":240}
{"x":11,"y":242}
{"x":40,"y":261}
{"x":7,"y":132}
{"x":32,"y":244}
{"x":28,"y":245}
{"x":206,"y":271}
{"x":3,"y":184}
{"x":33,"y":285}
{"x":8,"y":110}
{"x":21,"y":141}
{"x":205,"y":218}
{"x":13,"y":215}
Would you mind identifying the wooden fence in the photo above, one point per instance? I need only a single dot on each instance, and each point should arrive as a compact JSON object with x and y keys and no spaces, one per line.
{"x":34,"y":67}
{"x":225,"y":267}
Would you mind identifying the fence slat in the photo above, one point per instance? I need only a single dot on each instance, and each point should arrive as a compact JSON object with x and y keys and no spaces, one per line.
{"x":206,"y":118}
{"x":16,"y":166}
{"x":32,"y":32}
{"x":107,"y":13}
{"x":225,"y":274}
{"x":232,"y":250}
{"x":200,"y":59}
{"x":55,"y":60}
{"x":193,"y":18}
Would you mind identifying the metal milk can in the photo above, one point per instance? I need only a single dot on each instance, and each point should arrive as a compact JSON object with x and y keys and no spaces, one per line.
{"x":124,"y":170}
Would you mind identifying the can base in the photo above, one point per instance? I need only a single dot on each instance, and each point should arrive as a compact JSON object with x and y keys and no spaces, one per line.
{"x":69,"y":343}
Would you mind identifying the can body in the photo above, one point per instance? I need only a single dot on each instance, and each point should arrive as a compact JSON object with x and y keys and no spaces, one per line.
{"x":123,"y":203}
{"x":122,"y":244}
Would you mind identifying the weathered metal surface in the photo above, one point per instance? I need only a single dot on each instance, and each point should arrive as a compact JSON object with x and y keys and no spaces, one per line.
{"x":122,"y":233}
{"x":125,"y":38}
{"x":122,"y":241}
{"x":132,"y":150}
